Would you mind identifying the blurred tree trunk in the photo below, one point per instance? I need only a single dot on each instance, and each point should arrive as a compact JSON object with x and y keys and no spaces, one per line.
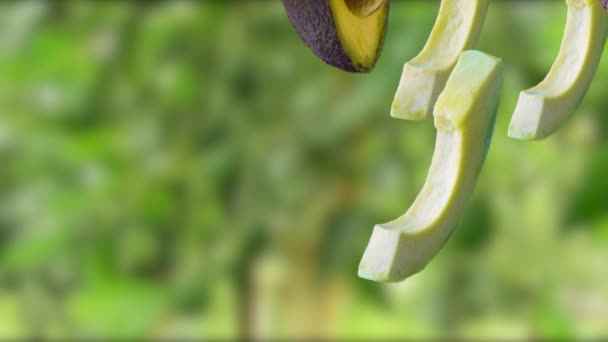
{"x":304,"y":305}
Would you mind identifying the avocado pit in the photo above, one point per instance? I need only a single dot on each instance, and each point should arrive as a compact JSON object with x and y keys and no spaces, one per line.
{"x":364,"y":8}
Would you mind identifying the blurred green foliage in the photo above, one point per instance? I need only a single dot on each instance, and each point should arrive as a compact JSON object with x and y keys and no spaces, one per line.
{"x":190,"y":169}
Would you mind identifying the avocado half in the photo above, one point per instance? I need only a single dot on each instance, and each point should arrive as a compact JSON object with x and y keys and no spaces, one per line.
{"x":347,"y":34}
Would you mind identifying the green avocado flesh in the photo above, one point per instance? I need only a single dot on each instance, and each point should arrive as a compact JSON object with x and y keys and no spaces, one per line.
{"x":347,"y":34}
{"x":541,"y":111}
{"x":456,"y":29}
{"x":464,"y":116}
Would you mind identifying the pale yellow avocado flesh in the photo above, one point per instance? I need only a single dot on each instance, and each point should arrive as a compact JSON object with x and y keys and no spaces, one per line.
{"x":456,"y":29}
{"x":361,"y":33}
{"x":540,"y":111}
{"x":463,"y":116}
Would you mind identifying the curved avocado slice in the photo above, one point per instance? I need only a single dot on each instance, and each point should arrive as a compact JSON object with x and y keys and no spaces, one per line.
{"x":456,"y":29}
{"x":347,"y":34}
{"x":464,"y":118}
{"x":540,"y":111}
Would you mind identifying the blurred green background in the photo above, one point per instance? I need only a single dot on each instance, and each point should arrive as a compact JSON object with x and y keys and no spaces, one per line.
{"x":191,"y":169}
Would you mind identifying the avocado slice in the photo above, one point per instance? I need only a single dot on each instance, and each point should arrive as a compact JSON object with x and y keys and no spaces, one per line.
{"x":456,"y":29}
{"x":464,"y":117}
{"x":541,"y":111}
{"x":347,"y":34}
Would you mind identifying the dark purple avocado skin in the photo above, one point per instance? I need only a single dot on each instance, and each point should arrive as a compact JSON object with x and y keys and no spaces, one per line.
{"x":605,"y":4}
{"x":313,"y":20}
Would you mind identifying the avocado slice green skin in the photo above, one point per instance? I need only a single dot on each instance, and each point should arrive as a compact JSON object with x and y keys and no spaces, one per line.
{"x":456,"y":29}
{"x":542,"y":110}
{"x":464,"y":117}
{"x":347,"y":34}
